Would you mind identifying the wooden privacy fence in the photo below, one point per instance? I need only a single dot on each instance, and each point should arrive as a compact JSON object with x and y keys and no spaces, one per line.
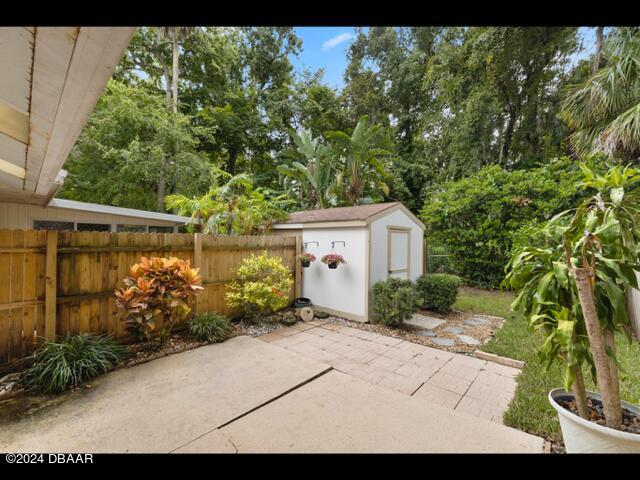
{"x":57,"y":283}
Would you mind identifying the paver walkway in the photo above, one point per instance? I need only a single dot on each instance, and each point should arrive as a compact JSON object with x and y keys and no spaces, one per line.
{"x":476,"y":387}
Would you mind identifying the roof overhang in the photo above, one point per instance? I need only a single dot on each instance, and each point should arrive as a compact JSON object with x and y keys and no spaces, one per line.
{"x":108,"y":209}
{"x":51,"y":79}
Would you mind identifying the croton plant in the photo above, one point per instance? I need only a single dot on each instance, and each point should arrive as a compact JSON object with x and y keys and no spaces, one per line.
{"x":159,"y":292}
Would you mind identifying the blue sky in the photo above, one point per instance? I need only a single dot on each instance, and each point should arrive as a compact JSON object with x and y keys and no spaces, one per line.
{"x":326,"y":47}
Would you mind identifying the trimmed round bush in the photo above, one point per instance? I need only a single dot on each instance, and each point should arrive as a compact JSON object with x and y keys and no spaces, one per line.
{"x":438,"y":291}
{"x":58,"y":366}
{"x":394,"y":301}
{"x":262,"y":286}
{"x":210,"y":327}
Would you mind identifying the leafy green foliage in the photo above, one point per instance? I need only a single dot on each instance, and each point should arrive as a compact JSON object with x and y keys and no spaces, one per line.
{"x":158,"y":293}
{"x":393,"y":301}
{"x":261,"y":286}
{"x":63,"y":364}
{"x":313,"y":179}
{"x":604,"y":110}
{"x":603,"y":232}
{"x":475,"y":219}
{"x":234,"y":208}
{"x":438,"y":291}
{"x":130,"y":145}
{"x":210,"y":327}
{"x":361,"y":159}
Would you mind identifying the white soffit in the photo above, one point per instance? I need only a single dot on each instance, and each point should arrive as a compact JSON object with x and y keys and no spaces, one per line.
{"x":51,"y":79}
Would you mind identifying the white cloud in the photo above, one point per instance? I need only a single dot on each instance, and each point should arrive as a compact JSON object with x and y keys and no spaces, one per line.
{"x":337,"y":40}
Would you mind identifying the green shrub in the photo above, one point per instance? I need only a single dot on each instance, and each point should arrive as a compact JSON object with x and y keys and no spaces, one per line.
{"x":438,"y":291}
{"x":74,"y":359}
{"x":474,"y":219}
{"x":262,"y":286}
{"x":394,"y":301}
{"x":210,"y":327}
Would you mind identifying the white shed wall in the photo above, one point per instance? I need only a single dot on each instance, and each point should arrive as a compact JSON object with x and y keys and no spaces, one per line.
{"x":22,"y":215}
{"x":343,"y":290}
{"x":378,"y":229}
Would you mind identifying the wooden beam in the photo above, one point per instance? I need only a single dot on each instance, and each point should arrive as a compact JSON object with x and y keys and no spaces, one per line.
{"x":298,"y":271}
{"x":51,"y":285}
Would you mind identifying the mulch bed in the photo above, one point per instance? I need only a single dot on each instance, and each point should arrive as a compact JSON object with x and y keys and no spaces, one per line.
{"x":454,"y":319}
{"x":630,"y":420}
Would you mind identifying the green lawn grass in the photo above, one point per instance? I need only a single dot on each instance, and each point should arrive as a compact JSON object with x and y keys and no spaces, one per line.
{"x":530,"y":409}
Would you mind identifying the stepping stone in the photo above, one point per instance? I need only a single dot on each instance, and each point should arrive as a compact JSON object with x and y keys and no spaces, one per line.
{"x":445,"y":342}
{"x":454,"y":330}
{"x":468,"y":340}
{"x":479,"y":320}
{"x":426,"y":333}
{"x":422,"y":321}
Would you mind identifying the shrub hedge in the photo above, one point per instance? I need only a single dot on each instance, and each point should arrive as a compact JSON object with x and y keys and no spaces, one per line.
{"x":394,"y":301}
{"x":438,"y":291}
{"x":475,"y":219}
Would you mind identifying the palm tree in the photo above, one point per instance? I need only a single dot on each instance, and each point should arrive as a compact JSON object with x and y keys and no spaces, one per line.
{"x":604,"y":111}
{"x":317,"y":170}
{"x":175,"y":35}
{"x":364,"y":171}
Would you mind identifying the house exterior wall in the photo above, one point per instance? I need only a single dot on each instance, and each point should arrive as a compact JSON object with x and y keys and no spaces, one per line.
{"x":379,"y":244}
{"x":342,"y":291}
{"x":22,"y":216}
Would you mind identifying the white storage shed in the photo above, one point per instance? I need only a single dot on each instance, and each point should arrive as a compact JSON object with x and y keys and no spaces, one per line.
{"x":377,"y":241}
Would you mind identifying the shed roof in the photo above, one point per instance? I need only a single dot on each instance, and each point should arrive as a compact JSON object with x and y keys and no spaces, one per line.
{"x":360,"y":214}
{"x":338,"y":214}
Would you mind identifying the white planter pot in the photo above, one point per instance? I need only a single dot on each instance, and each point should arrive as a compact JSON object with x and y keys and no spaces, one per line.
{"x":583,"y":436}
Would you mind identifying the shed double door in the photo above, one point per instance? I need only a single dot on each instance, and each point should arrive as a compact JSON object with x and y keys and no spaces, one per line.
{"x":398,"y":252}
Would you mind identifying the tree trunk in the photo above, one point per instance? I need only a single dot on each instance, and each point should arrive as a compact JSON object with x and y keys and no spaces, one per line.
{"x":598,"y":55}
{"x":609,"y":391}
{"x":167,"y":87}
{"x":175,"y":73}
{"x":579,"y":392}
{"x":160,"y":191}
{"x":232,"y":162}
{"x":506,"y":139}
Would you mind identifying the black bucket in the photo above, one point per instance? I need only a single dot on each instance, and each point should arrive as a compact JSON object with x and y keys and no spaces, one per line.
{"x":302,"y":302}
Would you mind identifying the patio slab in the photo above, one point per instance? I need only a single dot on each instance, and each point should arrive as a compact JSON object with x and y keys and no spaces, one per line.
{"x":164,"y":404}
{"x":460,"y":382}
{"x":423,"y":321}
{"x":339,"y":413}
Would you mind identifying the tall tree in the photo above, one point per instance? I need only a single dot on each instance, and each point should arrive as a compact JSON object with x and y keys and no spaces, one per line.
{"x":604,"y":111}
{"x":128,"y":139}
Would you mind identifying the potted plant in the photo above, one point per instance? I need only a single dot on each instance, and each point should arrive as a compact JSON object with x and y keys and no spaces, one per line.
{"x":306,"y":258}
{"x":572,"y":286}
{"x":333,"y":260}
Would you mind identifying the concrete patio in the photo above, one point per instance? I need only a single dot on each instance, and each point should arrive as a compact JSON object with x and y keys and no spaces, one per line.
{"x":248,"y":395}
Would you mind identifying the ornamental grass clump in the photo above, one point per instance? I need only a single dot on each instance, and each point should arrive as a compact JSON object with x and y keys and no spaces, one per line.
{"x":64,"y":364}
{"x":261,"y":287}
{"x":210,"y":327}
{"x":159,"y":293}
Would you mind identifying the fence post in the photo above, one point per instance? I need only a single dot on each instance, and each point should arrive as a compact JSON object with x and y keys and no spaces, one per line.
{"x":51,"y":285}
{"x":298,"y":279}
{"x":197,"y":258}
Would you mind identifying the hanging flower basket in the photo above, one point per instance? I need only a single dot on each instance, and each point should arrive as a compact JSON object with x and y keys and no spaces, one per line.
{"x":333,"y":260}
{"x":306,"y":259}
